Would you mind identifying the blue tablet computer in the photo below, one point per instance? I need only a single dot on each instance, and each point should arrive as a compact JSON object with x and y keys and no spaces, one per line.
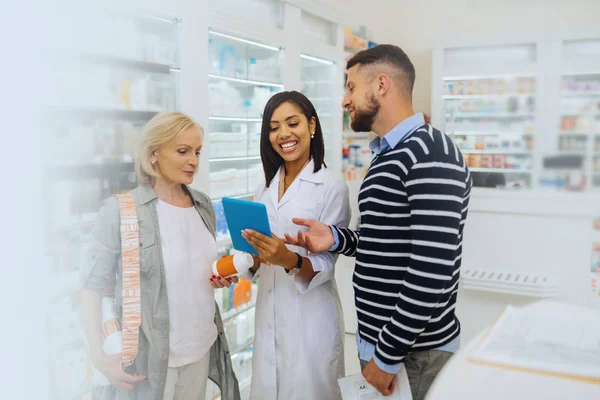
{"x":244,"y":214}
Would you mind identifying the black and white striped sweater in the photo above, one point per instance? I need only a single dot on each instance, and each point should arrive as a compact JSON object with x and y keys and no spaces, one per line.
{"x":413,"y":207}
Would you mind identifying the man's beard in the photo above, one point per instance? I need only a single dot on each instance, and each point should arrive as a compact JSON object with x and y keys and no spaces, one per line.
{"x":364,"y":118}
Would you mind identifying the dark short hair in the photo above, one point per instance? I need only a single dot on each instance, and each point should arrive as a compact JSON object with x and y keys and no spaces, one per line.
{"x":390,"y":55}
{"x":271,"y":160}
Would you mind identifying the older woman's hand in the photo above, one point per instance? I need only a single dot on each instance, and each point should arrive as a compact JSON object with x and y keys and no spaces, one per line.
{"x":219,"y":282}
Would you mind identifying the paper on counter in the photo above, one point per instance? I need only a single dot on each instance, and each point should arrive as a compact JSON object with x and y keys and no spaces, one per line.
{"x":552,"y":339}
{"x":355,"y":387}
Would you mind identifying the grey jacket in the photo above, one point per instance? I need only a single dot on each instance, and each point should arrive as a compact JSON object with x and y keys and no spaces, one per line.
{"x":103,"y":263}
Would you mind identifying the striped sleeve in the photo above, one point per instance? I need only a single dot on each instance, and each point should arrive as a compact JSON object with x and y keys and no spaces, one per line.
{"x":348,"y":241}
{"x":436,"y":199}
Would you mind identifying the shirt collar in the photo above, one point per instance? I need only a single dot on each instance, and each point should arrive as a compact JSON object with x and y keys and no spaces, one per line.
{"x":397,"y":134}
{"x":146,"y":194}
{"x":307,"y":174}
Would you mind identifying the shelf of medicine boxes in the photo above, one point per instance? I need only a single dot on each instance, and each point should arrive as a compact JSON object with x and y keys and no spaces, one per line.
{"x":243,"y":76}
{"x":491,"y":120}
{"x":144,"y":88}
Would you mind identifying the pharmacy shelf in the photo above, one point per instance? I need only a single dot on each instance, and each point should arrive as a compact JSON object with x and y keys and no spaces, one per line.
{"x":493,"y":115}
{"x":99,"y":113}
{"x":572,"y":153}
{"x":235,"y":312}
{"x":234,"y":119}
{"x":226,"y":159}
{"x":127,"y":63}
{"x":519,"y":283}
{"x":580,"y":94}
{"x":90,"y":171}
{"x":483,"y":133}
{"x":246,"y":81}
{"x":238,"y":349}
{"x":485,"y":96}
{"x":575,"y":133}
{"x":581,"y":115}
{"x":499,"y":151}
{"x":225,"y":242}
{"x":245,"y":41}
{"x":478,"y":77}
{"x":355,"y":135}
{"x":502,"y":170}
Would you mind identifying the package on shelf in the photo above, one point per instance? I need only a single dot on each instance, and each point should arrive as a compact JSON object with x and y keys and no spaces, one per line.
{"x":267,"y":70}
{"x":256,"y":176}
{"x":159,"y":49}
{"x":242,"y":293}
{"x":225,"y":99}
{"x":582,"y":85}
{"x":222,"y":231}
{"x":260,"y":97}
{"x":228,"y":182}
{"x":228,"y":144}
{"x":242,"y":366}
{"x":524,"y":126}
{"x":254,"y":133}
{"x":520,"y":85}
{"x":225,"y":59}
{"x":254,"y":295}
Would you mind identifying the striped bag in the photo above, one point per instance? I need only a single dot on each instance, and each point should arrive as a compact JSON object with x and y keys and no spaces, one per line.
{"x":124,"y":337}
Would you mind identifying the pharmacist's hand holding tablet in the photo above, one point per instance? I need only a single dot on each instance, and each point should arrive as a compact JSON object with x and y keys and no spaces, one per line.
{"x":250,"y":231}
{"x":270,"y":249}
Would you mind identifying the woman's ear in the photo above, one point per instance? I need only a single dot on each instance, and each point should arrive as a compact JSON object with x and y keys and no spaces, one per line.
{"x":312,"y":126}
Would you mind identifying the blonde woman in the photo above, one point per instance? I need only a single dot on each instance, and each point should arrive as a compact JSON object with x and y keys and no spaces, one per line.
{"x":181,"y":340}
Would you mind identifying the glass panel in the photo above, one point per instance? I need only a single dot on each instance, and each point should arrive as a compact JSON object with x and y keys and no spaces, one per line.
{"x":241,"y":58}
{"x":244,"y":75}
{"x":317,"y":77}
{"x":492,"y":121}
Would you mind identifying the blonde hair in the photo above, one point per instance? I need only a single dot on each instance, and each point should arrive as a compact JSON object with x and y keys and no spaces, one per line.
{"x":159,"y":131}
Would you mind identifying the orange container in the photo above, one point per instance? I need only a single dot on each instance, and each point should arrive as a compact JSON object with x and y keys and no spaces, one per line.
{"x":242,"y":293}
{"x":235,"y":264}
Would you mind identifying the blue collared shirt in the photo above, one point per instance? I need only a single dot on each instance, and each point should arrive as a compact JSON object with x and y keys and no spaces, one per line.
{"x":379,"y":146}
{"x":400,"y":132}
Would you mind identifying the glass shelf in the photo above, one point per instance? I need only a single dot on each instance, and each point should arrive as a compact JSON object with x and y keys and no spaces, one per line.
{"x":243,"y":76}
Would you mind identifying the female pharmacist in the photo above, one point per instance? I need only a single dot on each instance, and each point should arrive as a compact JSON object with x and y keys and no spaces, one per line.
{"x":299,"y":327}
{"x":181,"y":342}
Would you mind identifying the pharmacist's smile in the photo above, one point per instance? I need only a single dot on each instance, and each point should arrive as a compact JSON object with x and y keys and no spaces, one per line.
{"x":289,"y":146}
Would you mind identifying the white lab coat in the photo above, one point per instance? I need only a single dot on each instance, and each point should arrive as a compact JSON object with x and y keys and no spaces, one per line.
{"x":298,"y":342}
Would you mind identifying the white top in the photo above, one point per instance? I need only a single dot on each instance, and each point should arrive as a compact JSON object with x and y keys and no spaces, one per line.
{"x":188,"y":252}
